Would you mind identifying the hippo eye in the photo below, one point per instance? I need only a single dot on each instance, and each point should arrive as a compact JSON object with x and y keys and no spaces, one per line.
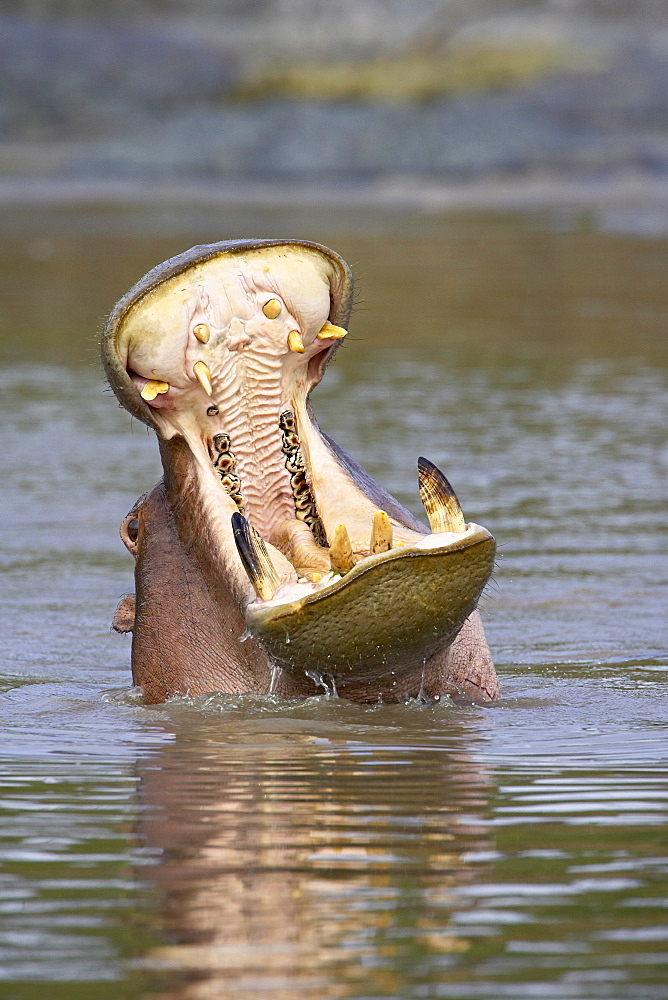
{"x":272,"y":308}
{"x":133,"y":529}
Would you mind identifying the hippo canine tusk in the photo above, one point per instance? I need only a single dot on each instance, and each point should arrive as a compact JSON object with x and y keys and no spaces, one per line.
{"x":439,"y":499}
{"x":253,"y":554}
{"x":295,"y":342}
{"x":203,"y":376}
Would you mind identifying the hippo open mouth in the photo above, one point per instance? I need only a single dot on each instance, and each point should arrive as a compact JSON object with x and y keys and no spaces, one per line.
{"x":262,"y":524}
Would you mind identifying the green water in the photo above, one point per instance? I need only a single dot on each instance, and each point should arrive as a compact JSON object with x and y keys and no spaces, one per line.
{"x":247,"y":847}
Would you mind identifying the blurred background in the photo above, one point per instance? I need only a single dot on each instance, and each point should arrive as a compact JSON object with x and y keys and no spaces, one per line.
{"x":497,"y":175}
{"x":388,"y":93}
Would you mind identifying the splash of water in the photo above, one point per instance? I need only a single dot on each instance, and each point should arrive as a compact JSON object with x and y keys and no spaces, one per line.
{"x":320,"y":681}
{"x":275,"y":674}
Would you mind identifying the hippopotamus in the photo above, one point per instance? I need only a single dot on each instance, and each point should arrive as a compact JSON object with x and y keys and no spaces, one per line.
{"x":267,"y":559}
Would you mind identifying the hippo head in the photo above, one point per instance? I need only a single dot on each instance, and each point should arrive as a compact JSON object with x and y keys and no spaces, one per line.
{"x":266,"y":552}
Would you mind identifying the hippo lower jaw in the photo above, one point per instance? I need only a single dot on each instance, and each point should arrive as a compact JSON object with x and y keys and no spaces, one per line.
{"x":219,"y":350}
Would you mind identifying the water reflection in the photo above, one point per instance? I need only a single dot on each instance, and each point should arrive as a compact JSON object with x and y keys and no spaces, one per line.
{"x":331,"y":850}
{"x":311,"y":865}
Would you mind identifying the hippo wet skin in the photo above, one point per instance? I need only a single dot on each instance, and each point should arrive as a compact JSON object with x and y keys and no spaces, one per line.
{"x":266,"y":558}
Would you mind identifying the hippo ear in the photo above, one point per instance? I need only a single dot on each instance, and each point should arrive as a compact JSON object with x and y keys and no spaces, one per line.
{"x":124,"y":616}
{"x":129,"y":529}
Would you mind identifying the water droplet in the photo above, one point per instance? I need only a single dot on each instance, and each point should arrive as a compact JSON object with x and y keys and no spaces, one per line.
{"x":275,"y":674}
{"x":318,"y":680}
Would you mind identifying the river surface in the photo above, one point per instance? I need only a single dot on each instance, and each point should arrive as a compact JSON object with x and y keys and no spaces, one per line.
{"x":251,"y":847}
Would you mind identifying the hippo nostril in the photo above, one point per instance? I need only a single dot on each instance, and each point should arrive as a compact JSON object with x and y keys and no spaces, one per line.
{"x":133,"y":529}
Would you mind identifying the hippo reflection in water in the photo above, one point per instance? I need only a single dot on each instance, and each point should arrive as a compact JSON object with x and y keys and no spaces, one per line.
{"x":266,"y":558}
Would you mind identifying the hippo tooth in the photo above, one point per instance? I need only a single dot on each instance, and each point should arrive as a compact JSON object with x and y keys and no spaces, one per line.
{"x":203,"y":376}
{"x":272,"y":308}
{"x":439,"y":499}
{"x":341,"y":551}
{"x":381,"y":533}
{"x":305,"y":505}
{"x":154,"y":388}
{"x":331,"y":332}
{"x":202,"y":333}
{"x":295,"y":342}
{"x":253,"y":554}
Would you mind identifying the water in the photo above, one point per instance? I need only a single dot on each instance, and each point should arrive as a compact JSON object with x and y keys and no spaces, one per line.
{"x":251,"y":847}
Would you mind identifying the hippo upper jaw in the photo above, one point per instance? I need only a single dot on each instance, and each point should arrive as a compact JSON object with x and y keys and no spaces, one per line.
{"x":218,"y":350}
